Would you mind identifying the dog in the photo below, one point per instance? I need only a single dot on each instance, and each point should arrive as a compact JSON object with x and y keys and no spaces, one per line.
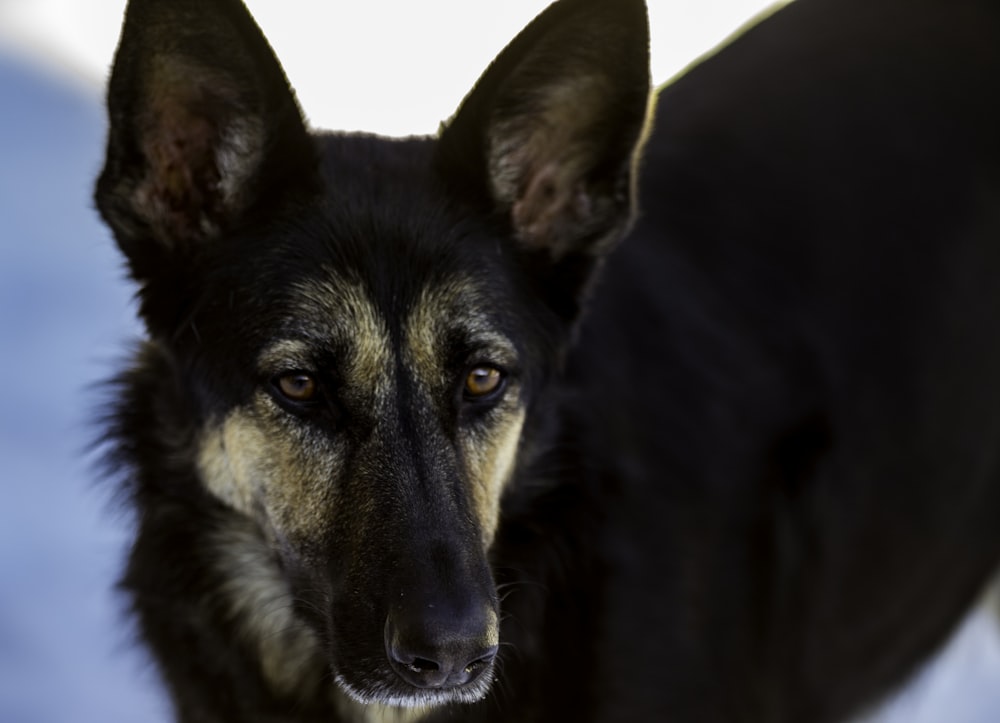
{"x":415,"y":435}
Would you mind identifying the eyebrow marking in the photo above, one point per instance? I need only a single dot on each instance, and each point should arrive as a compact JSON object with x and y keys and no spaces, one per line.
{"x":441,"y":309}
{"x":338,"y":311}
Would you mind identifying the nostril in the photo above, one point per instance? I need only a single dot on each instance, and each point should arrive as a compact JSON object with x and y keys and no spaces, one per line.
{"x":422,"y":665}
{"x":419,"y":672}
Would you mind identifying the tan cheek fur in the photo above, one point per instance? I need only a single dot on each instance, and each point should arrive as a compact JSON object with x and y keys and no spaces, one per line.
{"x":281,"y":483}
{"x":261,"y":602}
{"x":245,"y":467}
{"x":261,"y":461}
{"x":490,"y":457}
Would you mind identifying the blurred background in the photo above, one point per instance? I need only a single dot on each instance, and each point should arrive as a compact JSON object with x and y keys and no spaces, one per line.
{"x":66,"y":315}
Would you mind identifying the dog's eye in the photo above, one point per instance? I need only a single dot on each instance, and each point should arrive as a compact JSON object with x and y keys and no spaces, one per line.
{"x":483,"y":382}
{"x":297,"y":387}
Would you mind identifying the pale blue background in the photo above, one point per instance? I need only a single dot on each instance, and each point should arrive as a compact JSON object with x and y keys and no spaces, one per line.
{"x":65,"y":319}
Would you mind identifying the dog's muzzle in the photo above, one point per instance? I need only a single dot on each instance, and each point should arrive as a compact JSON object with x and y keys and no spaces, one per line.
{"x":440,"y":647}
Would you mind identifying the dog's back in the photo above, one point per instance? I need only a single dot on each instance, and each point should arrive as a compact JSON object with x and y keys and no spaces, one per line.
{"x":801,"y":337}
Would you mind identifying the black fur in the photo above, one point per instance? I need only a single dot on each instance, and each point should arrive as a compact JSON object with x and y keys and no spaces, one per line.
{"x":758,"y":480}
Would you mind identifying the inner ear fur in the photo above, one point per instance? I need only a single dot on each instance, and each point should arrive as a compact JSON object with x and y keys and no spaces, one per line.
{"x":550,"y":134}
{"x":204,"y":128}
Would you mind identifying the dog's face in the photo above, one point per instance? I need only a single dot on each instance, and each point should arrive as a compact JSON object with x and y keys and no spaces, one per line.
{"x":365,"y":408}
{"x":361,"y":327}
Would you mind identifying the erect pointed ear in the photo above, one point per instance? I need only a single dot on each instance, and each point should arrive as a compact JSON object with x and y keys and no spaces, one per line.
{"x":549,"y":135}
{"x":204,"y":129}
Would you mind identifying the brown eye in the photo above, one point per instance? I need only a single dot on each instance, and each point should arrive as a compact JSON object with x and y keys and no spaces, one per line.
{"x":297,"y":387}
{"x":482,"y":382}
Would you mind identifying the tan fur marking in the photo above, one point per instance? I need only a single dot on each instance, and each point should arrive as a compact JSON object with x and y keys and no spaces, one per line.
{"x":439,"y":309}
{"x":489,"y":452}
{"x":261,"y":602}
{"x":490,"y":459}
{"x":340,"y":308}
{"x":262,"y":460}
{"x":284,"y":355}
{"x":216,"y":466}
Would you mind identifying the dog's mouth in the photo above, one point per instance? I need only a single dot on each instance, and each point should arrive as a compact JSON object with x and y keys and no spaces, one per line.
{"x":386,"y":687}
{"x":419,"y":655}
{"x":426,"y":660}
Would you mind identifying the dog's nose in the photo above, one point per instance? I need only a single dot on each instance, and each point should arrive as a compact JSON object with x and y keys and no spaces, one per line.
{"x":441,"y":648}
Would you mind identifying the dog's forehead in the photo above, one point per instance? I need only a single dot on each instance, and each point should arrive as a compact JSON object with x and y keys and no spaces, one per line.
{"x":370,"y":335}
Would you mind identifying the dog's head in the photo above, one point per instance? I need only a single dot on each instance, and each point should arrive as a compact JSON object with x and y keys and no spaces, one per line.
{"x":361,"y":326}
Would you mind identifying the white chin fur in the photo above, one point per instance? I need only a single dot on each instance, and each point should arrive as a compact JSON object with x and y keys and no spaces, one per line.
{"x":380,"y":695}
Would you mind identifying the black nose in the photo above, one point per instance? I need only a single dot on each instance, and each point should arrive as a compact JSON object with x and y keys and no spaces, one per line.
{"x":441,"y":648}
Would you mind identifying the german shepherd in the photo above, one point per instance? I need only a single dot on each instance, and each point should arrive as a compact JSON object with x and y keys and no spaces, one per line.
{"x":405,"y":439}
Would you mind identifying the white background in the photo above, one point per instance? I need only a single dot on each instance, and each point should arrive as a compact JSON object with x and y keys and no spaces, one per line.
{"x":395,"y":67}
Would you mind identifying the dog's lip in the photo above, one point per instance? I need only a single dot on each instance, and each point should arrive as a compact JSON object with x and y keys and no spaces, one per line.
{"x":388,"y":689}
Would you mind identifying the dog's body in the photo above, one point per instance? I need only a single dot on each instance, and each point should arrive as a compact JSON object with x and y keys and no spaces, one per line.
{"x":371,"y":440}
